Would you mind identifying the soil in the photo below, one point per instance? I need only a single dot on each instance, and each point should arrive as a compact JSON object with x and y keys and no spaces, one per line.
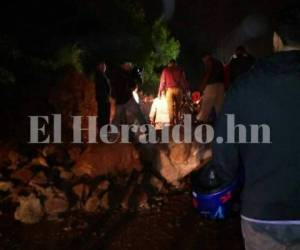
{"x":172,"y":225}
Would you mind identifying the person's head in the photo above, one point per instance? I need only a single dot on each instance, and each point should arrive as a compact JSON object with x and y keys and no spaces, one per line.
{"x":172,"y":63}
{"x":127,"y":66}
{"x":240,"y":51}
{"x":206,"y":56}
{"x":101,"y":66}
{"x":287,"y":28}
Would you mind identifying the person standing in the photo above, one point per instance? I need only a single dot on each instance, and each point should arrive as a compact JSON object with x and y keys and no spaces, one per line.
{"x":173,"y":84}
{"x":103,"y":92}
{"x":124,"y":107}
{"x":159,"y":113}
{"x":211,"y":87}
{"x":271,"y":195}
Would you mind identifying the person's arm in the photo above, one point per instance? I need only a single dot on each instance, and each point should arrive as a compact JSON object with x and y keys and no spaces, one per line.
{"x":207,"y":104}
{"x":207,"y":74}
{"x":225,"y":155}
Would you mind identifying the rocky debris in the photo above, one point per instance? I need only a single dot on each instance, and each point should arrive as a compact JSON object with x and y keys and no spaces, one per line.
{"x":39,"y":179}
{"x":6,"y":186}
{"x":158,"y":185}
{"x":56,"y":179}
{"x":39,"y":161}
{"x":103,"y":159}
{"x":142,"y":201}
{"x":65,"y":175}
{"x":55,"y":206}
{"x":103,"y":185}
{"x":92,"y":204}
{"x":30,"y":210}
{"x":24,"y":175}
{"x":104,"y":202}
{"x":56,"y":154}
{"x":126,"y":202}
{"x":74,"y":152}
{"x":55,"y":201}
{"x":14,"y":159}
{"x":179,"y":160}
{"x":82,"y":191}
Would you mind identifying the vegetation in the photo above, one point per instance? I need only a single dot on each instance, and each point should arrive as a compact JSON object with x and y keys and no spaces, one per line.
{"x":164,"y":48}
{"x":70,"y":55}
{"x":79,"y":36}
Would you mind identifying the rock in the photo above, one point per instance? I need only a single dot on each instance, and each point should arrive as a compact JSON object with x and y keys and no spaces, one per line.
{"x":56,"y":201}
{"x":6,"y":186}
{"x":103,"y":159}
{"x":56,"y":154}
{"x":142,"y":201}
{"x":157,"y":184}
{"x":104,"y":202}
{"x":49,"y":150}
{"x":103,"y":185}
{"x":49,"y":192}
{"x":56,"y":205}
{"x":92,"y":204}
{"x":24,"y":175}
{"x":82,"y":191}
{"x":179,"y":160}
{"x":39,"y":161}
{"x":74,"y":152}
{"x":14,"y":158}
{"x":30,"y":210}
{"x":65,"y":175}
{"x":125,"y":204}
{"x":39,"y":179}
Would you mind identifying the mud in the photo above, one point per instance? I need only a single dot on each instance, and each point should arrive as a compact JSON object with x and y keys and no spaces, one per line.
{"x":174,"y":224}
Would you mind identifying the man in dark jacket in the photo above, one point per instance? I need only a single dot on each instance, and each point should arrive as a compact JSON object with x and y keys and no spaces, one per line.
{"x":124,"y":108}
{"x":268,"y":94}
{"x":102,"y":94}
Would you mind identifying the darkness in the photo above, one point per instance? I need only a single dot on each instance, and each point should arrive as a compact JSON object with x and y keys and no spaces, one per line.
{"x":39,"y":27}
{"x":196,"y":23}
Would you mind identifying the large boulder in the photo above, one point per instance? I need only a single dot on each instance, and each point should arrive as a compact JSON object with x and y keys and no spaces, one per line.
{"x":103,"y":159}
{"x":178,"y":160}
{"x":30,"y":210}
{"x":174,"y":161}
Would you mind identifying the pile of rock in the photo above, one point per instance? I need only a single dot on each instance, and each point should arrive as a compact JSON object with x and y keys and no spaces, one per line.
{"x":49,"y":181}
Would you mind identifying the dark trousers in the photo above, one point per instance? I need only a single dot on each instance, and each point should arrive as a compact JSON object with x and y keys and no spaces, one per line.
{"x":103,"y":114}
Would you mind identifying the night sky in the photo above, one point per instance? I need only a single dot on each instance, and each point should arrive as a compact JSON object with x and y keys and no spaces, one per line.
{"x":199,"y":25}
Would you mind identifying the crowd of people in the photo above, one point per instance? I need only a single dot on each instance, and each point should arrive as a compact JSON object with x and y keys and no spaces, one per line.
{"x":121,"y":102}
{"x":264,"y":92}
